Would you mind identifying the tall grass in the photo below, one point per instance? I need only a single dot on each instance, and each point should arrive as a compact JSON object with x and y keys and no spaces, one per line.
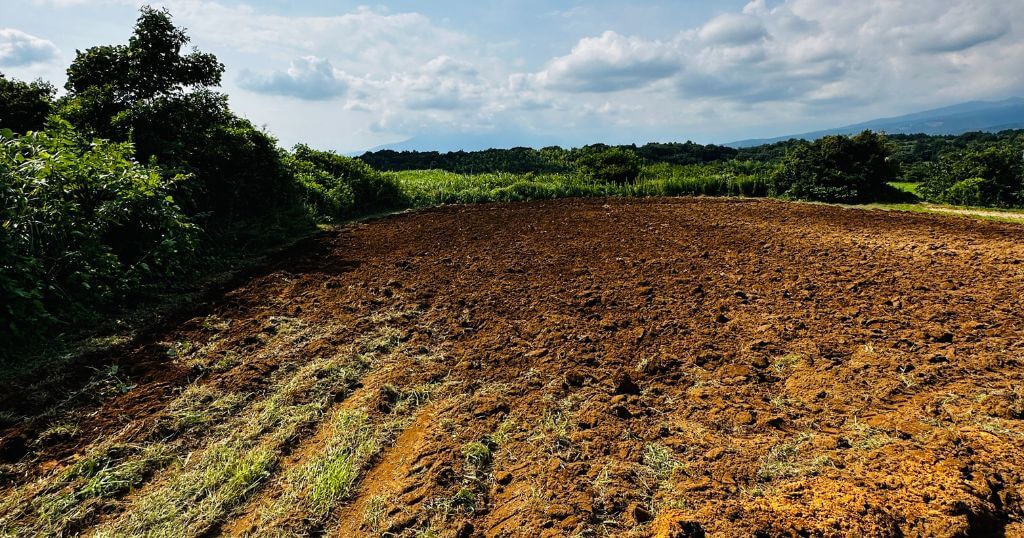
{"x":425,"y":188}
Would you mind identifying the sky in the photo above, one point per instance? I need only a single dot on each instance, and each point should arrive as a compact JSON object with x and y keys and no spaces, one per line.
{"x":350,"y":76}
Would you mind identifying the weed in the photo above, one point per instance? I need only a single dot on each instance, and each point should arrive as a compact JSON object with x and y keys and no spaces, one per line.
{"x":784,"y":460}
{"x":785,"y":363}
{"x":199,"y":405}
{"x":375,"y":512}
{"x":502,"y":433}
{"x":56,"y":432}
{"x":464,"y":500}
{"x":660,"y":461}
{"x":385,"y":340}
{"x":180,"y":349}
{"x":477,"y":454}
{"x":868,"y":438}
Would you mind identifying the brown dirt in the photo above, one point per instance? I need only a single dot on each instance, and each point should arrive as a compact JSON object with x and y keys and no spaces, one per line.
{"x":660,"y":367}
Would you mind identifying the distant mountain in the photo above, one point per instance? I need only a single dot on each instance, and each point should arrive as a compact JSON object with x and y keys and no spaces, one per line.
{"x":469,"y":142}
{"x":953,"y":120}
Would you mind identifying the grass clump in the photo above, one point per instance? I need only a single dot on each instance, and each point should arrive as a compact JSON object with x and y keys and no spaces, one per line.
{"x":375,"y":512}
{"x":787,"y":460}
{"x":67,"y":501}
{"x":210,"y":483}
{"x":477,"y":455}
{"x":332,"y":474}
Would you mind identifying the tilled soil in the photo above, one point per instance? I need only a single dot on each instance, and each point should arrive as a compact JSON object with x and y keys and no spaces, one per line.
{"x":658,"y":367}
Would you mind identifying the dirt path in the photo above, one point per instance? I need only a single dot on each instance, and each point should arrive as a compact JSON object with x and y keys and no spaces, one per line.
{"x":977,"y":213}
{"x":659,"y":367}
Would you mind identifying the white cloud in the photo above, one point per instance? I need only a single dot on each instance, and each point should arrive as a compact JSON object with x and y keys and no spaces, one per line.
{"x":310,"y":78}
{"x":20,"y":49}
{"x":771,"y":64}
{"x":811,"y":52}
{"x":732,"y":29}
{"x":610,"y":62}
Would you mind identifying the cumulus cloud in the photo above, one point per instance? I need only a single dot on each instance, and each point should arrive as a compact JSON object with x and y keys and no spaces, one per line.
{"x":610,"y":62}
{"x":20,"y":49}
{"x":732,"y":29}
{"x":310,"y":78}
{"x":807,"y":51}
{"x":770,"y":62}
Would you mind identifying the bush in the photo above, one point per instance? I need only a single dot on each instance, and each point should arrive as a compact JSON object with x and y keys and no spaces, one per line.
{"x":837,"y":169}
{"x":966,"y":192}
{"x":235,"y":171}
{"x":24,"y":106}
{"x":83,"y":224}
{"x":609,"y":165}
{"x":993,"y":176}
{"x":339,"y":187}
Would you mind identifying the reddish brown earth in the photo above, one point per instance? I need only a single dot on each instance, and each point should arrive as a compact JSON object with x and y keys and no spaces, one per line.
{"x":659,"y":367}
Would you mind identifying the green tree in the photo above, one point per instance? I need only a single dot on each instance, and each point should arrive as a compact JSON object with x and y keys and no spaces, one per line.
{"x":108,"y":80}
{"x":609,"y":164}
{"x":24,"y":106}
{"x":993,"y":175}
{"x":837,"y":169}
{"x":162,"y":100}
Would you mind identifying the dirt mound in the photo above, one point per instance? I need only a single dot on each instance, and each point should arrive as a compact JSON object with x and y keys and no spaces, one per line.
{"x":671,"y":368}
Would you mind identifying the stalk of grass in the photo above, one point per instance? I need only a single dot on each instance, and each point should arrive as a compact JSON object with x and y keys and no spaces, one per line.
{"x":63,"y":502}
{"x":315,"y":488}
{"x":212,"y":482}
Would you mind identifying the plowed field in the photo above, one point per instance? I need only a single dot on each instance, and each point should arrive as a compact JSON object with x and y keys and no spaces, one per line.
{"x":658,"y":367}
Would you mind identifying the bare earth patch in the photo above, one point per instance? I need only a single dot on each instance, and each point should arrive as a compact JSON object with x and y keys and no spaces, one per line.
{"x":658,"y":367}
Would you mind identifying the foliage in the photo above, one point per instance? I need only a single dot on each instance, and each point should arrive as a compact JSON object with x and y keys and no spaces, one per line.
{"x":24,"y":106}
{"x":993,"y":176}
{"x":548,"y":160}
{"x":425,"y":188}
{"x":966,"y":192}
{"x":83,"y":224}
{"x":837,"y":169}
{"x":610,"y":165}
{"x":109,"y":80}
{"x":339,"y":187}
{"x":149,"y":93}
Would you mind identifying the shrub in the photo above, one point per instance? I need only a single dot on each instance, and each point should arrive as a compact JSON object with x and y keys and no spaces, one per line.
{"x":609,"y":165}
{"x":966,"y":192}
{"x":83,"y":224}
{"x":837,"y":169}
{"x":996,"y":174}
{"x":339,"y":187}
{"x":24,"y":106}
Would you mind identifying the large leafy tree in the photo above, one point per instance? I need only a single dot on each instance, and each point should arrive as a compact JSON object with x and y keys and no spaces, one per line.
{"x":160,"y":96}
{"x":24,"y":106}
{"x":106,"y":81}
{"x":837,"y":169}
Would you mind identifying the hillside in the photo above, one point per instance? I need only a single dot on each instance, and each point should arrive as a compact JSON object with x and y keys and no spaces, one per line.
{"x":952,"y":120}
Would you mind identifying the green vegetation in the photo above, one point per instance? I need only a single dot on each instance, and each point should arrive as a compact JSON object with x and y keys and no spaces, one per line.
{"x":84,"y":224}
{"x":991,"y":176}
{"x":140,"y":180}
{"x":837,"y":169}
{"x":426,"y":188}
{"x":24,"y":106}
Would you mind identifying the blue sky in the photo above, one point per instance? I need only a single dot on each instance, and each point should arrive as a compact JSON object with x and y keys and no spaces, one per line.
{"x":354,"y":75}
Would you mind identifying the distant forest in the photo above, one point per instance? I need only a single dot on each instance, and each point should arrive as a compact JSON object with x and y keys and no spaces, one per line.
{"x":909,"y":149}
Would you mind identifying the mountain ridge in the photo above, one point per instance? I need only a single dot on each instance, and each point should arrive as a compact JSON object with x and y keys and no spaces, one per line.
{"x":991,"y":116}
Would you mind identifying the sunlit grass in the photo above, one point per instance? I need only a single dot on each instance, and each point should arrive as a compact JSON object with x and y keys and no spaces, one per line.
{"x":425,"y":188}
